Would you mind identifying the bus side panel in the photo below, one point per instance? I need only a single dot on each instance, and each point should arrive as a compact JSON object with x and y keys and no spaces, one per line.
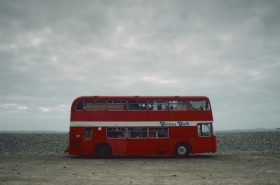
{"x":87,"y":147}
{"x":194,"y":136}
{"x":158,"y":146}
{"x":98,"y":136}
{"x":116,"y":115}
{"x":157,"y":115}
{"x":119,"y":146}
{"x":202,"y":115}
{"x":137,"y":115}
{"x":202,"y":144}
{"x":189,"y":135}
{"x":77,"y":116}
{"x":94,"y":115}
{"x":178,"y":115}
{"x":75,"y":141}
{"x":214,"y":145}
{"x":180,"y":134}
{"x":137,"y":146}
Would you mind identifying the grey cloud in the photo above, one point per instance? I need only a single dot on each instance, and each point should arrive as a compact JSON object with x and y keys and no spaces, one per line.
{"x":51,"y":52}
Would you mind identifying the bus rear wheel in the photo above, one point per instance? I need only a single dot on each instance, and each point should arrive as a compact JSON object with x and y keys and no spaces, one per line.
{"x":182,"y":150}
{"x":103,"y":150}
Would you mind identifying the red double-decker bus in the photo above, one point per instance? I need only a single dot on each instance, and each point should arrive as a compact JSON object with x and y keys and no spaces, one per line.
{"x":106,"y":126}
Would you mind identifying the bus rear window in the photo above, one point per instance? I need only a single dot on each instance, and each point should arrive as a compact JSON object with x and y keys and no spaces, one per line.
{"x":199,"y":105}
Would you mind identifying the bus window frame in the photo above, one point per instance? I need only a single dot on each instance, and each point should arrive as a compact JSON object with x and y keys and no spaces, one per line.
{"x":137,"y":102}
{"x":148,"y":105}
{"x":95,"y":104}
{"x":199,"y":109}
{"x":158,"y":131}
{"x":83,"y":105}
{"x":210,"y":130}
{"x":90,"y":133}
{"x":125,"y":104}
{"x":170,"y":104}
{"x":126,"y":133}
{"x":147,"y":131}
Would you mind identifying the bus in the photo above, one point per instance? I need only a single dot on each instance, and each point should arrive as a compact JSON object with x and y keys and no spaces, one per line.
{"x":105,"y":126}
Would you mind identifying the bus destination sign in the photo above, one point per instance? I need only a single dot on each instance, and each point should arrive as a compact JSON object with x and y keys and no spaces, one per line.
{"x":180,"y":123}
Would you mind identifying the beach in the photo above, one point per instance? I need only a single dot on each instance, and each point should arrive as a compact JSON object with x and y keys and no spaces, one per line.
{"x":237,"y":161}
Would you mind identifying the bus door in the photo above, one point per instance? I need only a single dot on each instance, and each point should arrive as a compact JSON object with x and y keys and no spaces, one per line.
{"x":204,"y":141}
{"x":137,"y":142}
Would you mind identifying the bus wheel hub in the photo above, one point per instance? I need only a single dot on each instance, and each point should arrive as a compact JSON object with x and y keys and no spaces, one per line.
{"x":182,"y":150}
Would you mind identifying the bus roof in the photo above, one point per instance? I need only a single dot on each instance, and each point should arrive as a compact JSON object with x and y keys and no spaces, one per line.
{"x":140,"y":98}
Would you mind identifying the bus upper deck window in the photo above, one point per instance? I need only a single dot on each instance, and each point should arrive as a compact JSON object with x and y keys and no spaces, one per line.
{"x":137,"y":105}
{"x":116,"y":105}
{"x":178,"y":105}
{"x":79,"y":105}
{"x":93,"y":105}
{"x":158,"y":105}
{"x":199,"y":105}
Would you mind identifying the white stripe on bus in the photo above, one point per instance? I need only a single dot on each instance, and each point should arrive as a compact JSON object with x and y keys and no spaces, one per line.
{"x":134,"y":123}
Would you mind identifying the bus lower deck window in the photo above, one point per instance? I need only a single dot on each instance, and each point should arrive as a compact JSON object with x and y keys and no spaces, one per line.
{"x":157,"y":132}
{"x":88,"y":133}
{"x":137,"y":132}
{"x":204,"y":129}
{"x":116,"y":133}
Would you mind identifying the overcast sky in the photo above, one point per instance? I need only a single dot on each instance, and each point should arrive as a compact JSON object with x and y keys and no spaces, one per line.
{"x":54,"y":51}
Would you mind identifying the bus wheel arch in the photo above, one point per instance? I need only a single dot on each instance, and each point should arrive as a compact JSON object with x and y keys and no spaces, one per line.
{"x":182,"y":149}
{"x":102,"y":150}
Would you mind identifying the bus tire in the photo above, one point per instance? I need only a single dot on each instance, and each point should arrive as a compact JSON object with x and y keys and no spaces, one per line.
{"x":182,"y":150}
{"x":103,"y":150}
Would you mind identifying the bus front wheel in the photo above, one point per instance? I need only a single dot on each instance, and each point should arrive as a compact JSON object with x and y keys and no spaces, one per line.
{"x":103,"y":150}
{"x":182,"y":150}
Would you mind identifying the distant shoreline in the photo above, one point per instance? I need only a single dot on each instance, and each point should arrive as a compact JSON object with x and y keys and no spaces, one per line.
{"x":248,"y":130}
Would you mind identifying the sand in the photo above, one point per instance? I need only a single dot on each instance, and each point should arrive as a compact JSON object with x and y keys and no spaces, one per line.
{"x":225,"y":168}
